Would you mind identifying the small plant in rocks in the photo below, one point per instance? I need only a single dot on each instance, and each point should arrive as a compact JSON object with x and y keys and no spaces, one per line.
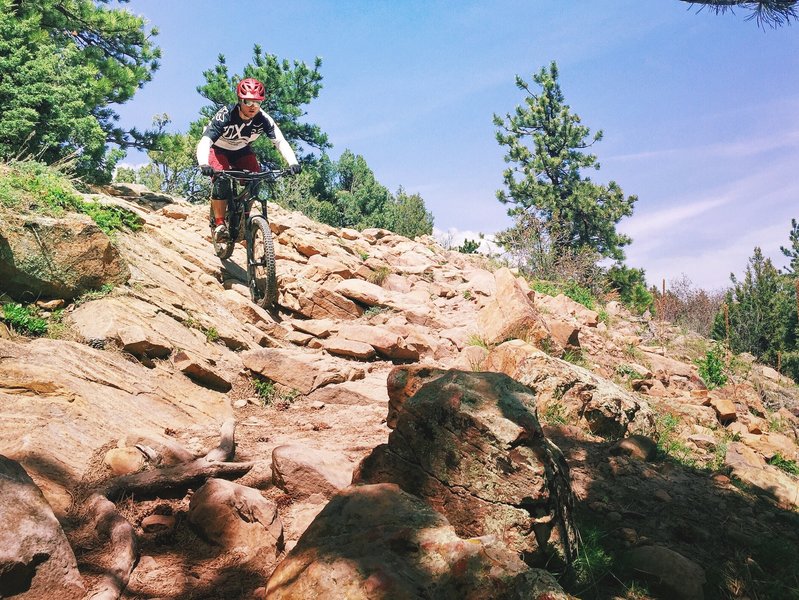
{"x":784,"y":464}
{"x":713,"y":367}
{"x":23,"y":319}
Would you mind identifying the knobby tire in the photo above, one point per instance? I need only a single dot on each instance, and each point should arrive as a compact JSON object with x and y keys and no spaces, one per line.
{"x":261,"y":264}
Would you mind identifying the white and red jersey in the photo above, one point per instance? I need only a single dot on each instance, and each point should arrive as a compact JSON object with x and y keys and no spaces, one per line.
{"x":228,"y":131}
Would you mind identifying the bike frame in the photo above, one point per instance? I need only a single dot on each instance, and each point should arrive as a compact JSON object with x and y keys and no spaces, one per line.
{"x":243,"y":224}
{"x":244,"y":188}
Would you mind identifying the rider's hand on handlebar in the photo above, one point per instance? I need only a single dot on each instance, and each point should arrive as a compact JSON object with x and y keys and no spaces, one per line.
{"x":207,"y":170}
{"x":295,"y":169}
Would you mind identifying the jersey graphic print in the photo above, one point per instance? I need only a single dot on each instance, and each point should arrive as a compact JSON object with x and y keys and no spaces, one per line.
{"x":229,"y":131}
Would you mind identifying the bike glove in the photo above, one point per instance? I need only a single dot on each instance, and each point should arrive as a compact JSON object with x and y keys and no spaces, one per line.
{"x":207,"y":170}
{"x":295,"y":169}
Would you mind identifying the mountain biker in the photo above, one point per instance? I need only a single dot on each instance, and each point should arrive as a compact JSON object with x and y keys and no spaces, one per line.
{"x":226,"y":143}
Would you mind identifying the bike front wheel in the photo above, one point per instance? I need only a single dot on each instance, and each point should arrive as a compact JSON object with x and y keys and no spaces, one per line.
{"x":261,"y":264}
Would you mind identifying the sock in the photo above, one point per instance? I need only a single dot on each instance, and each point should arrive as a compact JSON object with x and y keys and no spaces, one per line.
{"x":219,"y":221}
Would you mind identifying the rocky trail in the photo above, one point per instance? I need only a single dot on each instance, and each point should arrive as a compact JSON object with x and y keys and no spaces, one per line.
{"x":191,"y":445}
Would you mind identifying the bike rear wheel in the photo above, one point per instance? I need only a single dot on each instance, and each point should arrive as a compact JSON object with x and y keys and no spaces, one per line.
{"x":261,"y":273}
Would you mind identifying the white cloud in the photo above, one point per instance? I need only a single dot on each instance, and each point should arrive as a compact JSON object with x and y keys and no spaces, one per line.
{"x":710,"y":268}
{"x":733,"y":149}
{"x":657,"y":222}
{"x":453,"y":237}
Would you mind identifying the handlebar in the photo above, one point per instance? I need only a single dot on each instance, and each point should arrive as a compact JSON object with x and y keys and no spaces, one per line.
{"x":265,"y":175}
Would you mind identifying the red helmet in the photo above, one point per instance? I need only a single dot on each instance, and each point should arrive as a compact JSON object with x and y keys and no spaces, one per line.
{"x":251,"y":89}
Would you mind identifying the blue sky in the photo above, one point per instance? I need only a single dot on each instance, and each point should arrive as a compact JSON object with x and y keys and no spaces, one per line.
{"x":700,"y":112}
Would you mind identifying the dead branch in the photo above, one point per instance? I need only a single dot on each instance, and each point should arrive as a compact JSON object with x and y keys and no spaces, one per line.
{"x":152,"y":483}
{"x":184,"y":475}
{"x":226,"y":449}
{"x":110,"y":525}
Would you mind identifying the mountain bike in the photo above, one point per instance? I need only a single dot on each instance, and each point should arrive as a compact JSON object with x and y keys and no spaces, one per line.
{"x":243,"y":190}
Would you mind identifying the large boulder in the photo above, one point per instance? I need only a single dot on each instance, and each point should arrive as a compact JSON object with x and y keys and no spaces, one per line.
{"x":602,"y":406}
{"x":376,"y":542}
{"x":43,"y":257}
{"x":234,"y":516}
{"x":471,"y":445}
{"x":36,"y":560}
{"x":302,"y":471}
{"x":511,"y":315}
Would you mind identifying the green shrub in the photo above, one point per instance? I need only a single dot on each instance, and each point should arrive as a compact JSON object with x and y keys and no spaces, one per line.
{"x":631,"y":285}
{"x":269,"y":394}
{"x":575,"y":357}
{"x":23,"y":319}
{"x":379,"y":276}
{"x":593,"y":562}
{"x":373,"y":310}
{"x":554,"y":414}
{"x":475,"y":340}
{"x":468,"y":247}
{"x":570,"y":289}
{"x":264,"y":390}
{"x":784,"y":464}
{"x":668,"y":443}
{"x":712,"y":367}
{"x":104,"y":290}
{"x":628,"y":372}
{"x":32,"y":186}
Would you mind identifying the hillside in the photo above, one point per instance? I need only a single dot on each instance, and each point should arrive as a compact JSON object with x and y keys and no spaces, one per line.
{"x":677,"y":491}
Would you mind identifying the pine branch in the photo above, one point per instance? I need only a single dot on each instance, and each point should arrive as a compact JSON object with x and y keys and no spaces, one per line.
{"x":772,"y":13}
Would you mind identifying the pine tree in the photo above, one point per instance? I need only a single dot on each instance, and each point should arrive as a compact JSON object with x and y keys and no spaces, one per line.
{"x":63,"y":65}
{"x":793,"y":252}
{"x":762,"y":312}
{"x":546,"y":146}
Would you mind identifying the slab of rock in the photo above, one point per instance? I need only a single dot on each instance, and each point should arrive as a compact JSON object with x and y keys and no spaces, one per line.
{"x":73,"y":393}
{"x":201,"y":372}
{"x":370,"y":390}
{"x":341,"y":346}
{"x":123,"y":461}
{"x":375,"y":541}
{"x":724,"y":407}
{"x":604,"y":407}
{"x":301,"y":371}
{"x":326,"y":302}
{"x":510,"y":314}
{"x":563,"y":305}
{"x":36,"y":560}
{"x":748,"y":466}
{"x":302,"y":471}
{"x":471,"y":446}
{"x":362,"y":291}
{"x":676,"y":576}
{"x":319,"y":328}
{"x":46,"y":257}
{"x":636,"y":446}
{"x":384,"y":341}
{"x":235,"y":516}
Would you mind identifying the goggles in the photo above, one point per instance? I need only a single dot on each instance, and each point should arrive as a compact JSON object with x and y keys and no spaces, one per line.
{"x":251,"y":102}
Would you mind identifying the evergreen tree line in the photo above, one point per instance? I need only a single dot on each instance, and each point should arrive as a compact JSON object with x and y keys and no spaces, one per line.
{"x":341,"y":193}
{"x":64,"y":64}
{"x":564,"y":228}
{"x":760,"y":312}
